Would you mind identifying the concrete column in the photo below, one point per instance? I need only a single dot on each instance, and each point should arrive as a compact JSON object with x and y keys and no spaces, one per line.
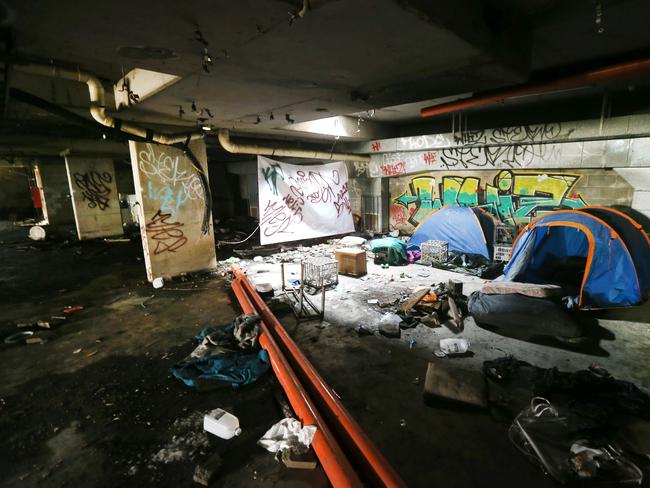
{"x":95,"y":201}
{"x":171,"y":209}
{"x":56,"y":192}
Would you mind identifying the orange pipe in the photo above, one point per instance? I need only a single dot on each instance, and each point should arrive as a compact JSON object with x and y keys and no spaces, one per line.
{"x":614,"y":72}
{"x":372,"y":460}
{"x":336,"y":466}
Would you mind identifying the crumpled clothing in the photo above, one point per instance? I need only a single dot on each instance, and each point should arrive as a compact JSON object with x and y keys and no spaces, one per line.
{"x":414,"y":256}
{"x":288,"y":433}
{"x":227,"y":353}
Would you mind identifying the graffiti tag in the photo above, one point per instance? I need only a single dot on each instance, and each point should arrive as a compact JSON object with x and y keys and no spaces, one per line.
{"x":169,"y":236}
{"x":94,"y":188}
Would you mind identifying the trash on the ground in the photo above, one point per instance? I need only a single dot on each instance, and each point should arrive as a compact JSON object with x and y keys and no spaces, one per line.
{"x":37,"y":233}
{"x":431,"y":320}
{"x":42,"y":324}
{"x":205,"y":471}
{"x":158,"y":282}
{"x":414,"y":299}
{"x":446,"y":380}
{"x":439,"y":354}
{"x":456,"y":315}
{"x":293,"y":460}
{"x":221,"y":423}
{"x":352,"y":241}
{"x":451,"y":346}
{"x":227,"y":353}
{"x":34,"y":340}
{"x":18,"y":337}
{"x":412,"y":343}
{"x":258,"y":259}
{"x":294,"y":282}
{"x":116,"y":239}
{"x":77,"y":351}
{"x":389,"y":325}
{"x":288,"y":433}
{"x":402,"y":422}
{"x":373,"y":301}
{"x":265,"y":290}
{"x":548,"y":437}
{"x":72,"y":309}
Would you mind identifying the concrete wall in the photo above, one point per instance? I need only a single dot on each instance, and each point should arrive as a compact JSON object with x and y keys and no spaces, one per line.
{"x":171,"y":209}
{"x":513,"y":196}
{"x":15,"y":195}
{"x":56,"y":191}
{"x":95,"y":199}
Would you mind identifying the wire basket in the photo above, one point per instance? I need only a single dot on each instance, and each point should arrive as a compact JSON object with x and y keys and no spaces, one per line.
{"x":434,"y":252}
{"x":321,"y":272}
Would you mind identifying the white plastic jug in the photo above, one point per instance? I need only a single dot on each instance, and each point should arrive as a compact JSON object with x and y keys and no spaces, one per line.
{"x":221,"y":423}
{"x":454,"y":346}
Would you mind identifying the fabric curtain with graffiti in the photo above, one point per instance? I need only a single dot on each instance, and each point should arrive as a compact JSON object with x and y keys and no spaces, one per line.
{"x":302,"y":202}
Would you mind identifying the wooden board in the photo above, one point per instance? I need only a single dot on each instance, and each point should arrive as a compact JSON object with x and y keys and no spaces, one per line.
{"x":414,"y":299}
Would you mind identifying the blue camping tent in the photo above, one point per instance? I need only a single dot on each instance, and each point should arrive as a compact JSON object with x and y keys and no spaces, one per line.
{"x":468,"y":230}
{"x":604,"y":252}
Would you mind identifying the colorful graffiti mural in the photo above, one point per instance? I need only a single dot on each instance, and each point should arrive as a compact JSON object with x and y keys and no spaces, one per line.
{"x":514,"y":197}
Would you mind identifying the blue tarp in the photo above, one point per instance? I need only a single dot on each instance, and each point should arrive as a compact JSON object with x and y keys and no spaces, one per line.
{"x":611,"y":277}
{"x":459,"y":226}
{"x":226,"y":362}
{"x":396,"y":249}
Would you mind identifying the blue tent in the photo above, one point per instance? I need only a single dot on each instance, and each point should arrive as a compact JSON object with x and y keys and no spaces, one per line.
{"x":468,"y":230}
{"x":603,"y":251}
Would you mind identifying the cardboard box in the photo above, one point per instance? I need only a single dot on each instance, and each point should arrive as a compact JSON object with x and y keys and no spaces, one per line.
{"x":351,"y":261}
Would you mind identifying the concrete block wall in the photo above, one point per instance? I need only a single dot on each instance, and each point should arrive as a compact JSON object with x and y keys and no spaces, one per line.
{"x":15,"y":195}
{"x":56,"y":191}
{"x":513,"y":196}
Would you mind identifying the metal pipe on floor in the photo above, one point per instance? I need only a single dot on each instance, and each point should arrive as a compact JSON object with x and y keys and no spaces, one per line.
{"x":345,"y":426}
{"x":620,"y":71}
{"x":336,"y":465}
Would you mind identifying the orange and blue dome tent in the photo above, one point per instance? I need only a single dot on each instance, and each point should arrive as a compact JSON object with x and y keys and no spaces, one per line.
{"x":612,"y":247}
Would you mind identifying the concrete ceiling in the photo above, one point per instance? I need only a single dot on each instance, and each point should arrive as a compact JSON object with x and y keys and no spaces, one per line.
{"x":381,"y":58}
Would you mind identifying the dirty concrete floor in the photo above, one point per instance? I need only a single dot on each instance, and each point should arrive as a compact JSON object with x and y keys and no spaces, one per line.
{"x":96,"y":405}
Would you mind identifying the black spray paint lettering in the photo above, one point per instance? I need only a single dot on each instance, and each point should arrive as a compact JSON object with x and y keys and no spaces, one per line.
{"x":94,"y":188}
{"x":169,"y":236}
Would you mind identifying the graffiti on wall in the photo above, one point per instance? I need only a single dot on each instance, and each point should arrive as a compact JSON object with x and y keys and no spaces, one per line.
{"x":95,"y":188}
{"x":169,"y":180}
{"x":168,"y":236}
{"x":513,"y":197}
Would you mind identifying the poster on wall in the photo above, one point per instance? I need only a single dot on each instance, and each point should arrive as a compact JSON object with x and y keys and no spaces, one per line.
{"x":302,"y":202}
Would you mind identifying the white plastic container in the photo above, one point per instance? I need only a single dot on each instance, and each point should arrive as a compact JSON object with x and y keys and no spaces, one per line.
{"x":158,"y":283}
{"x":221,"y":423}
{"x":454,"y":346}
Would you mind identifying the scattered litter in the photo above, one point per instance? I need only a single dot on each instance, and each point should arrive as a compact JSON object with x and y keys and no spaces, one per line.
{"x":402,"y":422}
{"x":91,"y":354}
{"x":43,"y":324}
{"x":289,"y":434}
{"x":293,"y":460}
{"x":453,"y":346}
{"x":439,"y":354}
{"x":34,"y":340}
{"x":412,"y":342}
{"x":187,"y":439}
{"x":37,"y":233}
{"x":72,"y":309}
{"x":158,"y":283}
{"x":206,"y":470}
{"x":116,"y":239}
{"x":18,"y":337}
{"x":77,"y":351}
{"x":227,"y":353}
{"x":373,"y":301}
{"x":389,"y":325}
{"x":258,"y":259}
{"x":446,"y":380}
{"x":221,"y":423}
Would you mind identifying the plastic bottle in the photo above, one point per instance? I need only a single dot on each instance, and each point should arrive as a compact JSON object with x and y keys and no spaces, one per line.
{"x":221,"y":423}
{"x":454,"y":346}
